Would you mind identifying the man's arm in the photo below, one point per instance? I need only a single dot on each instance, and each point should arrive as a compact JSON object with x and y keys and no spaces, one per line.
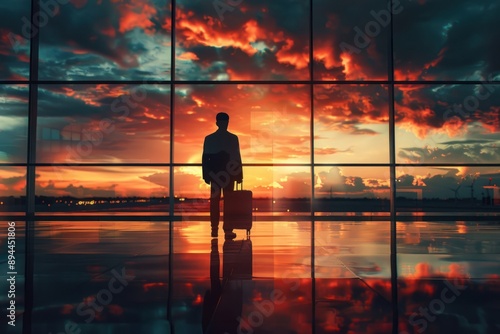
{"x":239,"y":177}
{"x":205,"y":163}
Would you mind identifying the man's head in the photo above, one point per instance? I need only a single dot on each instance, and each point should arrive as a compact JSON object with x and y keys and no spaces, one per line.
{"x":222,"y":120}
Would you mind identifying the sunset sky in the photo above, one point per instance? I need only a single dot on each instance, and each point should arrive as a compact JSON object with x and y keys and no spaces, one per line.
{"x":258,"y":40}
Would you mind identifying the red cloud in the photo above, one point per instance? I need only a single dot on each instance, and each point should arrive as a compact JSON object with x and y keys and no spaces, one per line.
{"x":137,"y":14}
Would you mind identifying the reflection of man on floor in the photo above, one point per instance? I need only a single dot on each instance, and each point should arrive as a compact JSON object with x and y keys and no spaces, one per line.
{"x":221,"y":163}
{"x":223,"y":302}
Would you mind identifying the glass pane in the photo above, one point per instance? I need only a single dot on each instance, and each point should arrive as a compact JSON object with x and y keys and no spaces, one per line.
{"x":351,"y":124}
{"x":276,"y":190}
{"x":16,"y":32}
{"x":431,"y":249}
{"x":242,"y":40}
{"x":272,"y":122}
{"x":448,"y":123}
{"x":110,"y":40}
{"x":13,"y":189}
{"x":361,"y":190}
{"x":353,"y":249}
{"x":103,"y":123}
{"x":216,"y":278}
{"x":98,"y":190}
{"x":351,"y":39}
{"x":364,"y":310}
{"x":443,"y":40}
{"x":353,"y":269}
{"x":109,"y":274}
{"x":449,"y":190}
{"x":447,"y":269}
{"x":13,"y":123}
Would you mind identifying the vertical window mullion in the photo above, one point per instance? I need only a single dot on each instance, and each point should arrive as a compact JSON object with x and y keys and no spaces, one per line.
{"x":392,"y":182}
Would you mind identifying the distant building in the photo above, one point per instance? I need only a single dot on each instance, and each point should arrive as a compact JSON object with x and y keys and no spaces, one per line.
{"x":493,"y":192}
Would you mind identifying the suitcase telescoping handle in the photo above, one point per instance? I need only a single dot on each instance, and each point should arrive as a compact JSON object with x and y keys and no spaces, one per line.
{"x":241,"y":185}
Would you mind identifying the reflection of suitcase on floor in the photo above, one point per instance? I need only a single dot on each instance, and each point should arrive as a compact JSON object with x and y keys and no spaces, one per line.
{"x":238,"y":210}
{"x":237,"y":259}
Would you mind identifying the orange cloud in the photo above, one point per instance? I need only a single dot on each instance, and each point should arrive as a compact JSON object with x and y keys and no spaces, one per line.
{"x":197,"y":32}
{"x":137,"y":14}
{"x":250,"y":37}
{"x":188,"y":56}
{"x":287,"y":56}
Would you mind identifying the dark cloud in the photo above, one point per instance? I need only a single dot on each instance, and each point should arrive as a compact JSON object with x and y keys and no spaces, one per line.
{"x":334,"y":181}
{"x":12,"y":185}
{"x":123,"y":39}
{"x":459,"y":111}
{"x":51,"y":189}
{"x":447,"y":40}
{"x":350,"y":108}
{"x":449,"y":183}
{"x":161,"y":179}
{"x":11,"y":181}
{"x":14,"y":44}
{"x":452,"y":153}
{"x":339,"y":51}
{"x":466,"y":142}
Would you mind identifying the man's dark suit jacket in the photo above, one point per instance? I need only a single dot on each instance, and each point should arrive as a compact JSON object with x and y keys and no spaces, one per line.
{"x":221,"y":153}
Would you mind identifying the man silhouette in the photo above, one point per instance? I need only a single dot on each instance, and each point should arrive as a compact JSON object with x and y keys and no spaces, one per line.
{"x":221,"y":164}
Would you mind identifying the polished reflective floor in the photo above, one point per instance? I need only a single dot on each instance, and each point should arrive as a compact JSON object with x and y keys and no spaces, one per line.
{"x":134,"y":277}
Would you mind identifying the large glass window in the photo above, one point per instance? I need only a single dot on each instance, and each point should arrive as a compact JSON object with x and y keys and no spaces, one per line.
{"x":298,"y":103}
{"x":368,"y":129}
